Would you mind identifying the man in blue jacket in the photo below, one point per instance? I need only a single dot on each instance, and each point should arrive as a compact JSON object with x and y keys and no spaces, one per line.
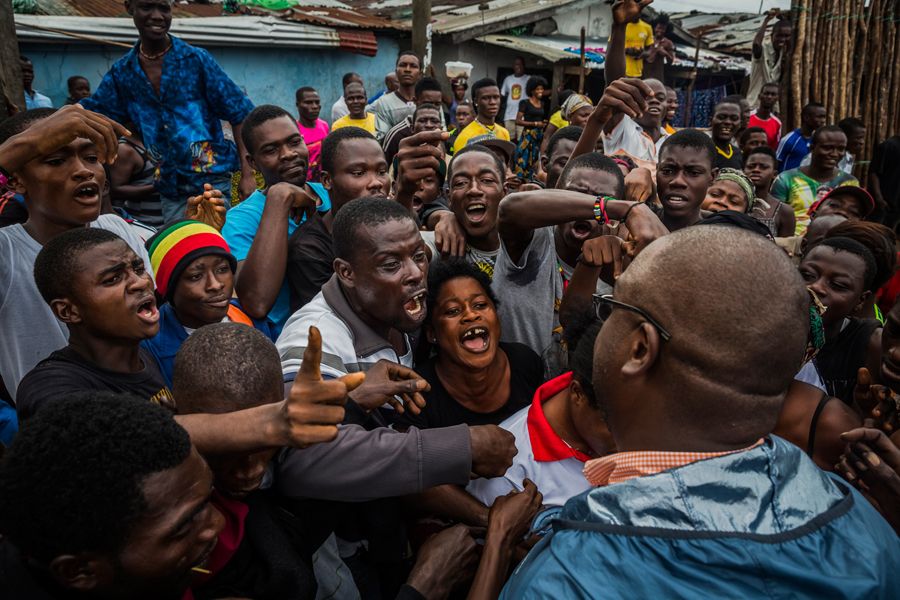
{"x":701,"y":500}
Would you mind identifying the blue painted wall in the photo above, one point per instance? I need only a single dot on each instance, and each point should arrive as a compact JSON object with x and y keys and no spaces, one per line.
{"x":269,"y":75}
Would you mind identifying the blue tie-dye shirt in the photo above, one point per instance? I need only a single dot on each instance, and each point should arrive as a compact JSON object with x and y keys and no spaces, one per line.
{"x":180,"y":125}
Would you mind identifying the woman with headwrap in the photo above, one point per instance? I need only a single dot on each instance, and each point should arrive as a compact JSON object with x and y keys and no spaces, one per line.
{"x":531,"y":119}
{"x":730,"y":190}
{"x":576,"y":109}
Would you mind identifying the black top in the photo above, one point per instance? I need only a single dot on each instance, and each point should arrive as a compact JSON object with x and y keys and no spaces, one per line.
{"x":441,"y":410}
{"x":310,"y":261}
{"x":736,"y":161}
{"x":531,"y":112}
{"x":65,"y":372}
{"x":839,"y":359}
{"x":884,"y":164}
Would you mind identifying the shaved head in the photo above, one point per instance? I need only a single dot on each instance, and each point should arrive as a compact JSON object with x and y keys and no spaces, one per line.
{"x":720,"y":378}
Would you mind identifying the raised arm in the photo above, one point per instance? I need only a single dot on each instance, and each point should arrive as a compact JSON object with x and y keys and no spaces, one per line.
{"x":59,"y":129}
{"x":621,"y":97}
{"x":261,"y":274}
{"x":624,"y":12}
{"x":761,"y":34}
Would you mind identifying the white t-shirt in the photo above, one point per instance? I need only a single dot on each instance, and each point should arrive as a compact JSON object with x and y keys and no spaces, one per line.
{"x":30,"y":329}
{"x":629,"y":138}
{"x":543,"y":457}
{"x":514,"y":91}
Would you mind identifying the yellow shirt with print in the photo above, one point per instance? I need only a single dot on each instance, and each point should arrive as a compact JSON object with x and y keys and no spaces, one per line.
{"x":637,"y":35}
{"x":474,"y":129}
{"x":368,"y":123}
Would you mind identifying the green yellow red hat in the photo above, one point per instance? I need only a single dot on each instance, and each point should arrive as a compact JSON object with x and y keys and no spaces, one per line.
{"x":175,"y":246}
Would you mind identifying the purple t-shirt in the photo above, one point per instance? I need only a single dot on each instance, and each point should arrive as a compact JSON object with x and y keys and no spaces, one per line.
{"x":313,"y":137}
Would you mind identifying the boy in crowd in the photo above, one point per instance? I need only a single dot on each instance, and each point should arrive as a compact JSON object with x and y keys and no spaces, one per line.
{"x":182,"y":122}
{"x":764,"y":118}
{"x":768,"y":54}
{"x":428,"y":91}
{"x":542,"y":233}
{"x":33,"y":98}
{"x":801,"y":187}
{"x":751,"y":139}
{"x":61,"y":180}
{"x":195,"y":280}
{"x":393,"y":107}
{"x":683,"y":176}
{"x":357,"y":115}
{"x":486,"y":96}
{"x":312,"y":128}
{"x":559,"y":149}
{"x":340,"y":108}
{"x":848,"y":201}
{"x":724,"y":127}
{"x":99,"y":288}
{"x":796,"y":145}
{"x":278,"y":152}
{"x":855,"y":130}
{"x":70,"y":528}
{"x":657,"y":338}
{"x":631,"y":119}
{"x":465,"y":114}
{"x":353,"y":167}
{"x":79,"y":89}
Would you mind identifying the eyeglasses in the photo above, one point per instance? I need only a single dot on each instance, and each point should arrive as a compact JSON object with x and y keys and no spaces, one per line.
{"x":603,"y":305}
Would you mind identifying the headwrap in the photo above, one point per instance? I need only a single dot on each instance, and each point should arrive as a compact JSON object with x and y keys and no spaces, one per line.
{"x":173,"y":248}
{"x":572,"y":104}
{"x":738,"y":177}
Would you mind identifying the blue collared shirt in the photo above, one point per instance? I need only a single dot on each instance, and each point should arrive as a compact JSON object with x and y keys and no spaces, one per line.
{"x":180,"y":125}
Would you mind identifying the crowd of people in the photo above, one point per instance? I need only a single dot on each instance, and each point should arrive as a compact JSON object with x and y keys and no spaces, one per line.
{"x":444,"y":345}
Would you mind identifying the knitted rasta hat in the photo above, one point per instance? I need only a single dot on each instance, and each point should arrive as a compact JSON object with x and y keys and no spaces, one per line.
{"x":173,"y":248}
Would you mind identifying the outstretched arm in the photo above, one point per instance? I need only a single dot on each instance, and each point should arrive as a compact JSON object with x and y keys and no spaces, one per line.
{"x":761,"y":34}
{"x":523,"y":212}
{"x":624,"y":12}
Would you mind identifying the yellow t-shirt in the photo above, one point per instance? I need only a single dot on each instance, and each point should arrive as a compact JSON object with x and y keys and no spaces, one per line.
{"x":637,"y":35}
{"x":557,"y":120}
{"x":368,"y":123}
{"x":474,"y":129}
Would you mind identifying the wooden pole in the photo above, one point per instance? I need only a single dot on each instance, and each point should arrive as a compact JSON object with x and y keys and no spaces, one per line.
{"x":10,"y":68}
{"x":421,"y":18}
{"x":581,"y":64}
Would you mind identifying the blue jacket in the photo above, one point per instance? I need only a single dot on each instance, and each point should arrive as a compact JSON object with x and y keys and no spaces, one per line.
{"x":765,"y":523}
{"x":165,"y":344}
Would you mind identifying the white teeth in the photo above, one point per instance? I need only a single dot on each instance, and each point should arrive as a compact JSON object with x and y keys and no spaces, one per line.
{"x":474,"y":332}
{"x":473,"y":207}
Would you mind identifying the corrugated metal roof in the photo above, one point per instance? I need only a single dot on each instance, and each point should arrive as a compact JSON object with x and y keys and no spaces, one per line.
{"x":731,"y":33}
{"x":557,"y":48}
{"x":213,"y":31}
{"x":719,"y":6}
{"x":334,"y":16}
{"x":116,"y":8}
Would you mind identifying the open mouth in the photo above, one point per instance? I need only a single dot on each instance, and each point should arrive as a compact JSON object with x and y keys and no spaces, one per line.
{"x":726,"y":130}
{"x":654,"y":110}
{"x":676,"y":201}
{"x":87,"y":192}
{"x":476,"y":212}
{"x":582,"y":229}
{"x":200,"y":563}
{"x":415,"y":306}
{"x":475,"y":339}
{"x":147,"y":311}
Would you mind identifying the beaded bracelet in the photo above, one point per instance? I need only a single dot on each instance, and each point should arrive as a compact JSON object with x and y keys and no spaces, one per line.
{"x":600,"y":209}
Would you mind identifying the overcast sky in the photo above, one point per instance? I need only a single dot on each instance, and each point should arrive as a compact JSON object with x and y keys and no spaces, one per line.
{"x":718,"y":6}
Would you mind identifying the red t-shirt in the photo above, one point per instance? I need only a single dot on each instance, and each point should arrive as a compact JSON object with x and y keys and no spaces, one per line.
{"x":772,"y":126}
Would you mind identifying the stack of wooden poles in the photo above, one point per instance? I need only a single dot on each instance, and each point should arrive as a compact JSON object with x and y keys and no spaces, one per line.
{"x":846,"y":55}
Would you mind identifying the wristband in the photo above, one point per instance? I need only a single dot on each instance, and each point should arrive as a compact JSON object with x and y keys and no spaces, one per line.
{"x":600,"y":213}
{"x":628,"y":212}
